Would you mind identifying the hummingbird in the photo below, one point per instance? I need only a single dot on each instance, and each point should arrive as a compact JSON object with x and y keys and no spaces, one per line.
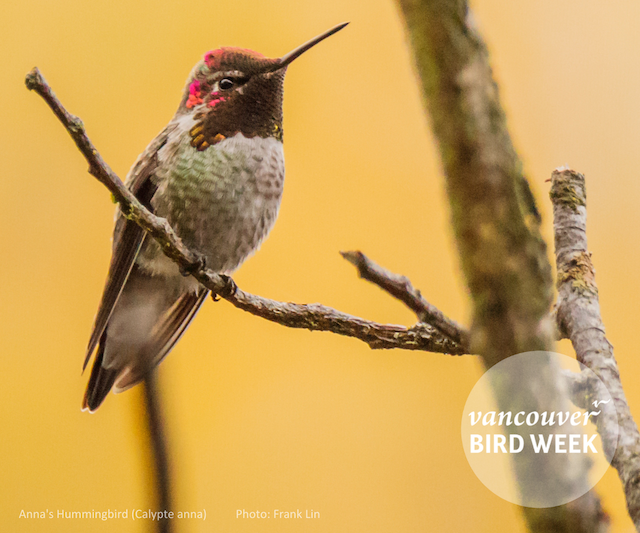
{"x":216,"y":173}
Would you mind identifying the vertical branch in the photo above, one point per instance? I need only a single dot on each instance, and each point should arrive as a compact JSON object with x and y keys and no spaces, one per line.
{"x":579,"y":316}
{"x":496,"y":226}
{"x":158,"y":440}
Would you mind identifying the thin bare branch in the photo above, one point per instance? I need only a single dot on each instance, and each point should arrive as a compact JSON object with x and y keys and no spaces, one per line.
{"x":317,"y":317}
{"x":314,"y":317}
{"x":400,"y":287}
{"x":129,"y":204}
{"x":579,"y":315}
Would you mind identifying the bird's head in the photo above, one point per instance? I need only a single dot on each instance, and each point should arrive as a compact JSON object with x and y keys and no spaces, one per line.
{"x":235,"y":90}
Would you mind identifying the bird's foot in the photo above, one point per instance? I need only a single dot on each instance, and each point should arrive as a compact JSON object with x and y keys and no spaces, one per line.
{"x":199,"y":264}
{"x":229,"y":289}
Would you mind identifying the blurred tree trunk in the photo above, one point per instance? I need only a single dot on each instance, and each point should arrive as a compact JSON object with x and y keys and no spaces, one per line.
{"x":497,"y":231}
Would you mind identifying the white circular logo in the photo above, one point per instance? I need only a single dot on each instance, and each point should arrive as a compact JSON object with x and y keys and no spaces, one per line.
{"x":532,"y":447}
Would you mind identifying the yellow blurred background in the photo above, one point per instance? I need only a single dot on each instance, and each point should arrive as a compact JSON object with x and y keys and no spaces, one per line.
{"x":261,"y":417}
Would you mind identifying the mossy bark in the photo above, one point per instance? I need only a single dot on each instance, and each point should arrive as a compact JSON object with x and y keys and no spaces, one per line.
{"x":496,"y":224}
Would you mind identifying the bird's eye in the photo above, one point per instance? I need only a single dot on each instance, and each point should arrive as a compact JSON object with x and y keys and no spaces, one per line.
{"x":226,"y":84}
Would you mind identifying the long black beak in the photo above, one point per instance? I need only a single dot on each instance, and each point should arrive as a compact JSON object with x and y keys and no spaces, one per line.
{"x":288,"y":58}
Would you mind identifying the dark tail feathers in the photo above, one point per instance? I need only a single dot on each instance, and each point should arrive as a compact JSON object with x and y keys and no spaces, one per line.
{"x":100,"y":382}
